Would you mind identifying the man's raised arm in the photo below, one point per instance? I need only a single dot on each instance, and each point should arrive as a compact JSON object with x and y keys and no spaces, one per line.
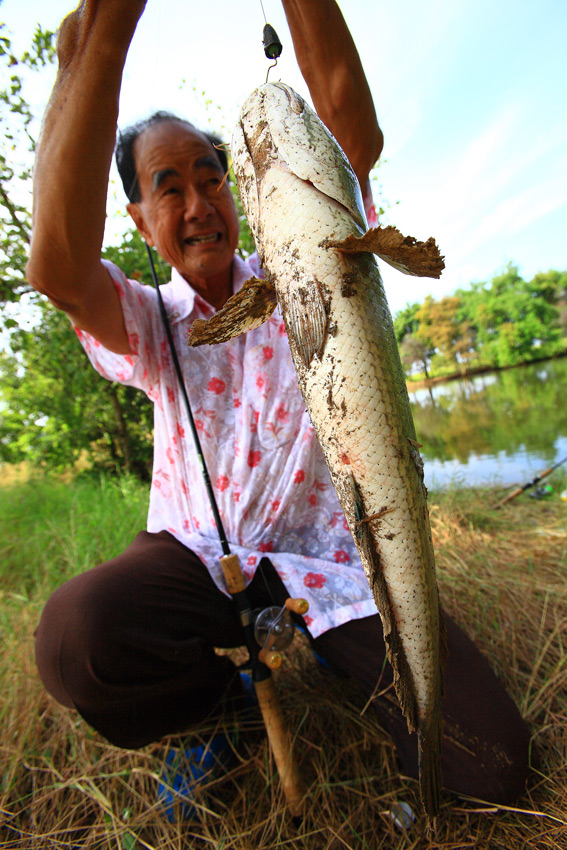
{"x":73,"y":161}
{"x":331,"y":67}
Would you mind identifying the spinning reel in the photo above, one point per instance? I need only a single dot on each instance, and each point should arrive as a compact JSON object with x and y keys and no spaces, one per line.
{"x":274,"y":629}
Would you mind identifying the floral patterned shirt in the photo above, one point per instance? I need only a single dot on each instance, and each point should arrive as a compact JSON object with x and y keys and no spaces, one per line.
{"x":268,"y":472}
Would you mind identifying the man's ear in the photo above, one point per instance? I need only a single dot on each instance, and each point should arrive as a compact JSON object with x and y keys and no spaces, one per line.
{"x":137,"y":217}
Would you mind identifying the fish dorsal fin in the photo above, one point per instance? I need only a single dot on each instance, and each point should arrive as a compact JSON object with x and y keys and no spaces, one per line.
{"x":309,"y":150}
{"x":404,"y":253}
{"x":247,"y":309}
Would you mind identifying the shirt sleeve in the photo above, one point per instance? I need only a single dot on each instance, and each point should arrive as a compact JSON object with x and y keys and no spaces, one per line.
{"x":141,"y":316}
{"x":370,"y":207}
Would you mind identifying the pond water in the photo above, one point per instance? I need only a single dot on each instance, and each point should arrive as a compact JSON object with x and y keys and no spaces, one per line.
{"x":498,"y":428}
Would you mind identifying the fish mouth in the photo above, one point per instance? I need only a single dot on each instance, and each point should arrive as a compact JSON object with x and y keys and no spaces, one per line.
{"x":204,"y":239}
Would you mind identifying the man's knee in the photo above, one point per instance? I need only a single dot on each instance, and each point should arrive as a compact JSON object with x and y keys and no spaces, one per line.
{"x":75,"y":631}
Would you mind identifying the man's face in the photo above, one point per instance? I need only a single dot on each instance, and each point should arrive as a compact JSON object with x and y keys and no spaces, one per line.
{"x":193,"y":225}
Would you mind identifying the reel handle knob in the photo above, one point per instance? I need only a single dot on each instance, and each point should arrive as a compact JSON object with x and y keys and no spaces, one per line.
{"x":298,"y":605}
{"x":273,"y":660}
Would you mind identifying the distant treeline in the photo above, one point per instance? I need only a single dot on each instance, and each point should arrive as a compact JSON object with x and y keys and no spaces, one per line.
{"x":502,"y":322}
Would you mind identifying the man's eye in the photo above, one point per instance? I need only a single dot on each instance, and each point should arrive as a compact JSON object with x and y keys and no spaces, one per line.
{"x":171,"y":190}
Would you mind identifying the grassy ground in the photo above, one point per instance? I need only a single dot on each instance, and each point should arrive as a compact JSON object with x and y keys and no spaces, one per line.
{"x":503,"y":575}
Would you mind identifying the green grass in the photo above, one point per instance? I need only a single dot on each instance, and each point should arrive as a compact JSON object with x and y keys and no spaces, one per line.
{"x":52,"y":529}
{"x":503,"y":576}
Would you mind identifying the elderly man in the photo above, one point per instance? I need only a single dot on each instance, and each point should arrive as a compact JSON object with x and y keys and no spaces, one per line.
{"x":130,"y":644}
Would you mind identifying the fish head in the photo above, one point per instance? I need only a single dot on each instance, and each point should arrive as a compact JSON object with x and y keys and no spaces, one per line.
{"x":277,"y":128}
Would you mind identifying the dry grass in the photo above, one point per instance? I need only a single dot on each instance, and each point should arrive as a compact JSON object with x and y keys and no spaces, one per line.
{"x":504,"y":578}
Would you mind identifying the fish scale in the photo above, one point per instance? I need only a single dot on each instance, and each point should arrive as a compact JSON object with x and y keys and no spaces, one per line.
{"x":303,"y":204}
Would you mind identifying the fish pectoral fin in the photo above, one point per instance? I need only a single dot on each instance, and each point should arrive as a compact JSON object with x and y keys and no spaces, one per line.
{"x":247,"y":309}
{"x":306,"y":319}
{"x":404,"y":253}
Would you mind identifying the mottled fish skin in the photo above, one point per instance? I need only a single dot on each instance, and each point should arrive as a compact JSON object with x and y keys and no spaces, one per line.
{"x":344,"y":349}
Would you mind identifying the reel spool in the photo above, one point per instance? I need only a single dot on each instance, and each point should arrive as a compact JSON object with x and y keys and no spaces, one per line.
{"x":274,"y":630}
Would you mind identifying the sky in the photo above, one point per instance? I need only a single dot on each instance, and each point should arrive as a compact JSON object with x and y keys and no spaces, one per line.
{"x":470,"y":95}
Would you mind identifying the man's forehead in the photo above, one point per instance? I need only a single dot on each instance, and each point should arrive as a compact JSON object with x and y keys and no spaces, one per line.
{"x":163,"y":146}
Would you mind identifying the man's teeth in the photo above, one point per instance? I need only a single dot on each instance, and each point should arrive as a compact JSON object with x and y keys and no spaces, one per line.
{"x":213,"y":237}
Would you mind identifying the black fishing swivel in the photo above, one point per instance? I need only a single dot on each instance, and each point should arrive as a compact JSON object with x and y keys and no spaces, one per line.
{"x":272,"y":46}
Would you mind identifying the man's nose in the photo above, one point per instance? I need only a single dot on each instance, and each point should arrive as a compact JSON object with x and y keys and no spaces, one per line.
{"x":197,"y":205}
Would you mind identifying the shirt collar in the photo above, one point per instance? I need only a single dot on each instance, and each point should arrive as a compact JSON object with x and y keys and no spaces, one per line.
{"x":182,"y":300}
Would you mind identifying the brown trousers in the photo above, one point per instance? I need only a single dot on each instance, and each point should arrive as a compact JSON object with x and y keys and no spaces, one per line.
{"x":129,"y":644}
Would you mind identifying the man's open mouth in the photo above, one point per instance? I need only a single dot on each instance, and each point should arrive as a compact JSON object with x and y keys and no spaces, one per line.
{"x":203,"y":240}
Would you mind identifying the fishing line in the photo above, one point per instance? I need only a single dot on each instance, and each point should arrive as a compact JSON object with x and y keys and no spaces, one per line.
{"x":204,"y":470}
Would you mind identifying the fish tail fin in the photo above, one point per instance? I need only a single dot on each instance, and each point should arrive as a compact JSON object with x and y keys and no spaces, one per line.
{"x":430,"y":779}
{"x":429,"y":741}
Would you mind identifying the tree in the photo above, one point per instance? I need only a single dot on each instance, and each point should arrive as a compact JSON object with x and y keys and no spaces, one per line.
{"x":514,"y":322}
{"x":406,"y":321}
{"x":415,"y":349}
{"x":443,"y":327}
{"x":55,"y":409}
{"x":16,"y":158}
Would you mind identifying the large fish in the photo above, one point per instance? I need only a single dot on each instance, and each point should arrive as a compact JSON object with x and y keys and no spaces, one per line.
{"x":305,"y":210}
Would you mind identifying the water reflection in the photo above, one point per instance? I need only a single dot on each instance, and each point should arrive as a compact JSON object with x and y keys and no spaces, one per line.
{"x":502,"y":427}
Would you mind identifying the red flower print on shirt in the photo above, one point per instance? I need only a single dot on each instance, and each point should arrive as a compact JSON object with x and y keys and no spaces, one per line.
{"x":260,"y":382}
{"x":275,"y":504}
{"x":222,"y":482}
{"x":312,"y":499}
{"x":308,"y":620}
{"x":268,"y":352}
{"x":266,"y":547}
{"x":180,"y":429}
{"x":252,"y":560}
{"x":170,"y":395}
{"x":299,"y":477}
{"x":217,"y":386}
{"x":341,"y":557}
{"x":253,"y":459}
{"x":316,"y":580}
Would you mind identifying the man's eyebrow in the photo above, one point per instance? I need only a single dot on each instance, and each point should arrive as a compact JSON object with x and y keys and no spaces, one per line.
{"x":160,"y":176}
{"x":208,"y":161}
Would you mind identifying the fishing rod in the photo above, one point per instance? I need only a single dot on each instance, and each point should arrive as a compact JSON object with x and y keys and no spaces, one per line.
{"x":532,"y":483}
{"x":276,"y":630}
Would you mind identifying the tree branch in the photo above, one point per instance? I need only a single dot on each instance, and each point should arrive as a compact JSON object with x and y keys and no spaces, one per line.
{"x":23,"y":230}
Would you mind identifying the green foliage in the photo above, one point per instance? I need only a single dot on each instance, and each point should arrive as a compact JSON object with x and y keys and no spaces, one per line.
{"x":514,"y":322}
{"x":19,"y":128}
{"x":406,"y":321}
{"x":55,"y":410}
{"x":415,"y":349}
{"x":51,"y":531}
{"x":246,"y":245}
{"x":504,"y":322}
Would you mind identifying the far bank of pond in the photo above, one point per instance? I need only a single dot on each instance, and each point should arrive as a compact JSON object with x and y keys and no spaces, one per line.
{"x":499,"y":427}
